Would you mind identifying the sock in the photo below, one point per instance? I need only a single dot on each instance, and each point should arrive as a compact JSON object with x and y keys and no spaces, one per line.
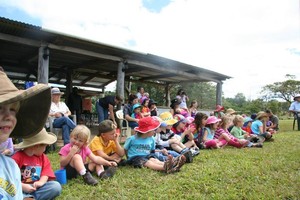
{"x":82,"y":172}
{"x":100,"y":171}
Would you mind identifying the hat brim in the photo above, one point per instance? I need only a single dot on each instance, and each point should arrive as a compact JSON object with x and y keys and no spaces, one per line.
{"x":152,"y":127}
{"x":171,"y":122}
{"x":213,"y":122}
{"x":34,"y":109}
{"x":47,"y":138}
{"x":59,"y":93}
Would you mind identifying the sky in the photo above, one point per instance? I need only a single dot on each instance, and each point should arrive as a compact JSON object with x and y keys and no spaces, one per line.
{"x":256,"y":42}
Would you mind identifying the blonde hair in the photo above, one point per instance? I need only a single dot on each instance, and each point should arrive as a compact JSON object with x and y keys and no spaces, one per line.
{"x":237,"y":119}
{"x":82,"y":132}
{"x":225,"y":120}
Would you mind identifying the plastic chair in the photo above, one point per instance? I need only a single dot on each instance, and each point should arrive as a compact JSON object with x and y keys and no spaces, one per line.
{"x":296,"y":118}
{"x":125,"y":130}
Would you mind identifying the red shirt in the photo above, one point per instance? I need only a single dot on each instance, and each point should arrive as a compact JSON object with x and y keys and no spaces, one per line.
{"x":33,"y":167}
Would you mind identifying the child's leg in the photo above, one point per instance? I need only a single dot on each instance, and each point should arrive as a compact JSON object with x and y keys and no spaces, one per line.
{"x":155,"y":164}
{"x":50,"y":190}
{"x":211,"y":144}
{"x":77,"y":163}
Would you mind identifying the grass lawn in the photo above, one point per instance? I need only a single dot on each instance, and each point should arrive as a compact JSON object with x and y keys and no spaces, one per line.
{"x":271,"y":172}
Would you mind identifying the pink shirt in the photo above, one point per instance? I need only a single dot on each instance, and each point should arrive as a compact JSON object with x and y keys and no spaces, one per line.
{"x":84,"y":151}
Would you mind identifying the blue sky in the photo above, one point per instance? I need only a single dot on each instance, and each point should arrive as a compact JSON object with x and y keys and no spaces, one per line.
{"x":255,"y":42}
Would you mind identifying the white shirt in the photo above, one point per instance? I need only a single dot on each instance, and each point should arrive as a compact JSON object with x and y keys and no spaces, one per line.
{"x":61,"y":107}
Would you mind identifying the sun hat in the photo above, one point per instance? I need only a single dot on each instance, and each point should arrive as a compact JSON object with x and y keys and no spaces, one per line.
{"x":219,"y":108}
{"x":180,"y":118}
{"x":167,"y":117}
{"x":147,"y":124}
{"x":261,"y":114}
{"x":296,"y":96}
{"x":212,"y":120}
{"x":190,"y":120}
{"x":42,"y":137}
{"x":34,"y":106}
{"x":247,"y":120}
{"x":56,"y":90}
{"x":230,"y":111}
{"x":137,"y":105}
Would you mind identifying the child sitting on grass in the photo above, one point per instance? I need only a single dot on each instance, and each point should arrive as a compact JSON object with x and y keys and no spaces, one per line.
{"x":37,"y":175}
{"x":73,"y":157}
{"x":239,"y":133}
{"x":106,"y":143}
{"x":222,"y":133}
{"x":209,"y":141}
{"x":140,"y":149}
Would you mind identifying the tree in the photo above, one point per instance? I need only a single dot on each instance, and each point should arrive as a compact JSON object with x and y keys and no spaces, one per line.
{"x":285,"y":90}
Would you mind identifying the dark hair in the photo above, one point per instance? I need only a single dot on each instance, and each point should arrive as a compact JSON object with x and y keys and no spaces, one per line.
{"x":198,"y":119}
{"x":119,"y":98}
{"x":139,"y":88}
{"x":132,"y":97}
{"x":180,"y":91}
{"x":268,"y":111}
{"x":175,"y":102}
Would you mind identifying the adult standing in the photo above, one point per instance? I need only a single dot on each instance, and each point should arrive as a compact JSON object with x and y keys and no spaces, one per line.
{"x":295,"y":109}
{"x":127,"y":110}
{"x":61,"y":112}
{"x":140,"y":92}
{"x":106,"y":105}
{"x":75,"y":103}
{"x":181,"y":95}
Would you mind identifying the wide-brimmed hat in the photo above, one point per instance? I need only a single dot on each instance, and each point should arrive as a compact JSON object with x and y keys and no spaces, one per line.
{"x":42,"y":137}
{"x":247,"y":120}
{"x":147,"y":124}
{"x":180,"y":118}
{"x":56,"y":90}
{"x":135,"y":106}
{"x":219,"y":108}
{"x":212,"y":120}
{"x":230,"y":111}
{"x":34,"y":106}
{"x":296,"y":96}
{"x":167,"y":117}
{"x":261,"y":114}
{"x":190,"y":120}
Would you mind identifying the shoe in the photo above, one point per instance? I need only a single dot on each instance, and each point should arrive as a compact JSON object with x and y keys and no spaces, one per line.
{"x":89,"y":179}
{"x":258,"y":145}
{"x":123,"y":162}
{"x":178,"y":163}
{"x":195,"y":151}
{"x":168,"y":166}
{"x":189,"y":156}
{"x":108,"y":173}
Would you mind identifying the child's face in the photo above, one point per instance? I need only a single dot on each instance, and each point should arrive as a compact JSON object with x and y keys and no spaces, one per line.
{"x":111,"y":135}
{"x":137,"y":110}
{"x":240,"y":123}
{"x":80,"y":142}
{"x":181,"y":125}
{"x":39,"y":149}
{"x":8,"y":119}
{"x":203,"y":122}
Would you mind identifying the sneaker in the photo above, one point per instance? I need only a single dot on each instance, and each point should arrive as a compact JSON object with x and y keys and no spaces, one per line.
{"x":168,"y":166}
{"x":189,"y":156}
{"x":258,"y":145}
{"x":123,"y":162}
{"x":89,"y":179}
{"x":108,"y":173}
{"x":178,"y":163}
{"x":195,"y":151}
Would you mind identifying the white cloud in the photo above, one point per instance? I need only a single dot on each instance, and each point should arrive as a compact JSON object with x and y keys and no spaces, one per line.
{"x":249,"y":40}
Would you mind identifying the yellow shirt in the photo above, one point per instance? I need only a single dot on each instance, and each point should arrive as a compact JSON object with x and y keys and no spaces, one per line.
{"x":98,"y":144}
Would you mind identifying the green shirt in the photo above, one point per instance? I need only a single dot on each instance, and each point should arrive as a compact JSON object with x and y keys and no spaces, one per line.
{"x":238,"y":132}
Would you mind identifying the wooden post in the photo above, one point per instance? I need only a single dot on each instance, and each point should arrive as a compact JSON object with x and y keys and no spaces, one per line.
{"x":167,"y":95}
{"x":120,"y":80}
{"x":43,"y":65}
{"x":69,"y":85}
{"x":219,"y":93}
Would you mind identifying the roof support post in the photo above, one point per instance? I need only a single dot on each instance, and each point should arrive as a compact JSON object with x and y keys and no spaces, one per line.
{"x":167,"y":95}
{"x":219,"y":93}
{"x":69,"y":85}
{"x":121,"y":79}
{"x":43,"y":65}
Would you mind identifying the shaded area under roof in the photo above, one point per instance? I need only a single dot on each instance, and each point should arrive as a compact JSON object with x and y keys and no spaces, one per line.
{"x":91,"y":64}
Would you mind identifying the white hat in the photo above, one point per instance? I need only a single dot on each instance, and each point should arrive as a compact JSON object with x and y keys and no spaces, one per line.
{"x":296,"y":96}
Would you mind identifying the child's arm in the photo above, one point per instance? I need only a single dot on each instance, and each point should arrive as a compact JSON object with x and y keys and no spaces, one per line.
{"x":65,"y":160}
{"x":40,"y":182}
{"x":120,"y":149}
{"x":101,"y":161}
{"x":205,"y":135}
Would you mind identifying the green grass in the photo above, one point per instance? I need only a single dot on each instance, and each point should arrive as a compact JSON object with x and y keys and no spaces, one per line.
{"x":272,"y":172}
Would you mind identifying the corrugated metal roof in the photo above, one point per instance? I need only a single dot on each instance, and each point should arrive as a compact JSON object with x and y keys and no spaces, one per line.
{"x":93,"y":64}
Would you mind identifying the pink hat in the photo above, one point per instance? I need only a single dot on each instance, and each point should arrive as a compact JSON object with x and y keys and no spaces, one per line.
{"x":147,"y":124}
{"x":219,"y":108}
{"x":190,"y":120}
{"x":212,"y":120}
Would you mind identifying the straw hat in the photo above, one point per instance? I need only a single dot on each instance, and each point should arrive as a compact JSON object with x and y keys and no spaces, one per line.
{"x":43,"y":137}
{"x":230,"y":111}
{"x":147,"y":124}
{"x":168,"y":118}
{"x":34,"y":106}
{"x":261,"y":114}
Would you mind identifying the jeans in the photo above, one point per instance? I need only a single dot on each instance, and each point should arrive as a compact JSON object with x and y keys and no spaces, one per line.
{"x":102,"y":112}
{"x":160,"y":156}
{"x":66,"y":124}
{"x":50,"y":190}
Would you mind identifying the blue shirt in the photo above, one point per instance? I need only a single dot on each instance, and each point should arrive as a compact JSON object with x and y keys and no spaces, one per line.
{"x":295,"y":106}
{"x":10,"y":179}
{"x":255,"y":127}
{"x":137,"y":146}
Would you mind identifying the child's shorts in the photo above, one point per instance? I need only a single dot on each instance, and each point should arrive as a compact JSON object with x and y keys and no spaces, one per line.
{"x":72,"y":172}
{"x":139,"y":161}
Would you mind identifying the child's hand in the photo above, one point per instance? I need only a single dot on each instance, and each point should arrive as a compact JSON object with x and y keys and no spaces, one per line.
{"x":74,"y":149}
{"x":112,"y":163}
{"x":28,"y":188}
{"x":165,"y":152}
{"x":38,"y":184}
